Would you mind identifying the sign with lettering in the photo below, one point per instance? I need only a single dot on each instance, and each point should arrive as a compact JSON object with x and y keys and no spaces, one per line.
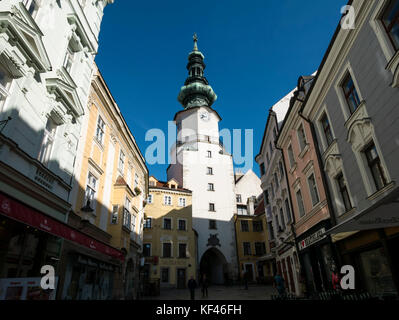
{"x":317,"y":236}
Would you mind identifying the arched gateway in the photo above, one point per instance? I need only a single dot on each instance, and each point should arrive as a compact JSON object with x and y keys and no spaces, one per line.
{"x":214,"y":266}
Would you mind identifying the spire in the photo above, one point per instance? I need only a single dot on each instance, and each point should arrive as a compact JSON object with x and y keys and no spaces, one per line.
{"x":195,"y":38}
{"x":196,"y":91}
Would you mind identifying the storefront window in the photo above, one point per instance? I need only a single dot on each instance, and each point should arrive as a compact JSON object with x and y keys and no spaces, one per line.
{"x":377,"y":274}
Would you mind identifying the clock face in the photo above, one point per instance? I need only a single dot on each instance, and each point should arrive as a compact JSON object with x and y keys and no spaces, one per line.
{"x":204,"y":116}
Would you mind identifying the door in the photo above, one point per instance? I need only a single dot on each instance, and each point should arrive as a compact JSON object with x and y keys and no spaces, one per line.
{"x":181,"y":278}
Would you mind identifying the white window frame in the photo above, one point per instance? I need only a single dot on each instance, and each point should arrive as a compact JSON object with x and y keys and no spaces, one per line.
{"x":182,"y":202}
{"x":93,"y":200}
{"x":347,"y":68}
{"x":167,"y":200}
{"x":291,"y":161}
{"x":209,"y":171}
{"x":115,"y":214}
{"x":148,"y":218}
{"x":121,"y":162}
{"x":297,"y":203}
{"x":209,"y":154}
{"x":311,"y":172}
{"x":28,"y":3}
{"x":4,"y":89}
{"x":150,"y":198}
{"x":211,"y":186}
{"x":47,"y":146}
{"x":100,"y":130}
{"x":324,"y":144}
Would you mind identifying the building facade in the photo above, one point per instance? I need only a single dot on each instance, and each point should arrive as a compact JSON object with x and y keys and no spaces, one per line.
{"x":277,"y":199}
{"x":46,"y":63}
{"x":201,"y":164}
{"x":107,"y":202}
{"x":169,"y":245}
{"x":309,"y":197}
{"x":353,"y":108}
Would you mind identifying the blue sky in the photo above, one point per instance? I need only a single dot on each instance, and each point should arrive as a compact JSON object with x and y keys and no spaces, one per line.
{"x":255,"y":50}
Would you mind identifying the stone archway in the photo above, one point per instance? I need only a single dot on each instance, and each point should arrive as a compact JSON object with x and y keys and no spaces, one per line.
{"x":214,"y":265}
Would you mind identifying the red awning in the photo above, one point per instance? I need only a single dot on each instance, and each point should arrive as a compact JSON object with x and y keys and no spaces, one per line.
{"x":18,"y":211}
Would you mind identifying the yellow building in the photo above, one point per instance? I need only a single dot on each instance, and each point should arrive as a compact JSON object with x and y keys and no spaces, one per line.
{"x":108,"y":202}
{"x":253,"y":245}
{"x":169,"y":244}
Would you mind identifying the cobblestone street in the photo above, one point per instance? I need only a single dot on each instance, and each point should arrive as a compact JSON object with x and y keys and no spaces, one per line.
{"x":254,"y":292}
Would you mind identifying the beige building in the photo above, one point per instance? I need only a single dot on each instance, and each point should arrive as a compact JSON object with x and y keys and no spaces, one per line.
{"x":108,"y":196}
{"x":169,"y":244}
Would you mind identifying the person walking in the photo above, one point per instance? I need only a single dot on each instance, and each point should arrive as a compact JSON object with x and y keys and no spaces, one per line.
{"x":279,"y":284}
{"x":192,"y":285}
{"x":204,"y":286}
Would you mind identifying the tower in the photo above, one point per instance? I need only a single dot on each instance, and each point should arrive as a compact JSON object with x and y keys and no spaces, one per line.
{"x":201,"y":164}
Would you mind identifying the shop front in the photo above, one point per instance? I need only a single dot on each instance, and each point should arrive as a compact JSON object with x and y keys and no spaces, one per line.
{"x":30,"y":239}
{"x":317,"y":256}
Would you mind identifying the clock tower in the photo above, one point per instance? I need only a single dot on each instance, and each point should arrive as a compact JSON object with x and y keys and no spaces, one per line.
{"x":200,"y":163}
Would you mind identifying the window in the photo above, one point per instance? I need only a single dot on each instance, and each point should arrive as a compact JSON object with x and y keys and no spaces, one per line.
{"x":152,"y":183}
{"x":313,"y":189}
{"x":238,"y":198}
{"x":5,"y":81}
{"x":247,"y":248}
{"x":262,"y":169}
{"x":114,"y":216}
{"x":241,"y":210}
{"x":182,"y":202}
{"x":276,"y":180}
{"x":32,"y":6}
{"x":374,"y":163}
{"x":149,"y":199}
{"x":69,"y":57}
{"x":48,"y":142}
{"x":182,"y":250}
{"x":244,"y":226}
{"x":182,"y":225}
{"x":266,"y":197}
{"x":390,"y":20}
{"x":165,"y":275}
{"x":282,"y":219}
{"x":287,"y":210}
{"x":133,"y":222}
{"x":209,"y":171}
{"x":257,"y":226}
{"x":167,"y":223}
{"x":211,"y":187}
{"x":301,"y":138}
{"x":121,"y":161}
{"x":91,"y":188}
{"x":209,"y":154}
{"x":100,"y":130}
{"x":126,"y":215}
{"x":350,"y":92}
{"x":300,"y":203}
{"x":327,"y":129}
{"x":167,"y":250}
{"x":272,"y":189}
{"x":260,"y":248}
{"x":167,"y":200}
{"x":147,"y":249}
{"x":147,"y":223}
{"x":271,"y":147}
{"x":280,"y":165}
{"x":271,"y":230}
{"x":212,"y":207}
{"x":291,"y":156}
{"x":343,"y":190}
{"x":136,"y":180}
{"x":212,"y":225}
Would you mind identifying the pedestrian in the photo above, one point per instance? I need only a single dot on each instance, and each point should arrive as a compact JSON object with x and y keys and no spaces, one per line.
{"x":279,"y":284}
{"x":204,"y":286}
{"x":192,"y":285}
{"x":246,"y":275}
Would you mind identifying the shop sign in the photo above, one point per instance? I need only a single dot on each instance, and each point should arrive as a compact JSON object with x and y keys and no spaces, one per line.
{"x":25,"y":289}
{"x":24,"y":214}
{"x":317,"y":236}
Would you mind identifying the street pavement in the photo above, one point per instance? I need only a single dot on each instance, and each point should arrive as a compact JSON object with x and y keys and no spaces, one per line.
{"x":254,"y":292}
